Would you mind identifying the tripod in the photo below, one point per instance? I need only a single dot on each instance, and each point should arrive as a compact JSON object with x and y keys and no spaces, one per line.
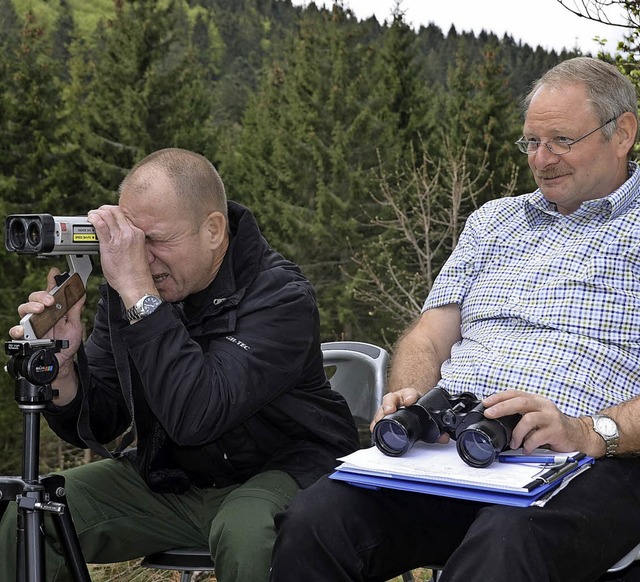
{"x":34,"y":366}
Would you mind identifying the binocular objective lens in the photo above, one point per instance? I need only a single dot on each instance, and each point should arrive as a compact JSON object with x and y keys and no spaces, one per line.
{"x":17,"y":235}
{"x":476,"y":448}
{"x":391,"y":438}
{"x":34,"y":234}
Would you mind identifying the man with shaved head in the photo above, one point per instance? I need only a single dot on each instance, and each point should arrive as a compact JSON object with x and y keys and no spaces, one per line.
{"x":206,"y":350}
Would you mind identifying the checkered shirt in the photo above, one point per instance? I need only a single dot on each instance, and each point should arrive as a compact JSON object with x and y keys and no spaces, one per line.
{"x":549,"y":303}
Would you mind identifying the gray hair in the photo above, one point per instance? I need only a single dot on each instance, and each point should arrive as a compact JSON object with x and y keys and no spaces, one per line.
{"x":609,"y":92}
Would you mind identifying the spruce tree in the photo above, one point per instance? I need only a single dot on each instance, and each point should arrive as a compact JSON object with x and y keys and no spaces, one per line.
{"x":304,"y":157}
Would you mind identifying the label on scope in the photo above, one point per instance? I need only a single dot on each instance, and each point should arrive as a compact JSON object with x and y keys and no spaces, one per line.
{"x":84,"y":234}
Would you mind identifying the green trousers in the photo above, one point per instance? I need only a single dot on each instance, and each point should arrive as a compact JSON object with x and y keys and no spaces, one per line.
{"x":118,"y":518}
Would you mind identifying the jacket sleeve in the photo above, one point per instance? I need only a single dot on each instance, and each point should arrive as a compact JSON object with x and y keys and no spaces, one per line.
{"x":109,"y":416}
{"x":201,"y":388}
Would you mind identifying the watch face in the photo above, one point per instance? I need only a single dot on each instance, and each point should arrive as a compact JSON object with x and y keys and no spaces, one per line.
{"x":150,"y":304}
{"x":606,"y":426}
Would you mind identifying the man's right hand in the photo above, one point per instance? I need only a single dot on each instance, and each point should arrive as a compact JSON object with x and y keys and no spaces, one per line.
{"x":68,"y":328}
{"x":394,"y":400}
{"x":399,"y":399}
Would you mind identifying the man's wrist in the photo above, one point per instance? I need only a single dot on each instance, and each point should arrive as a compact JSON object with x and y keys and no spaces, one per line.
{"x":594,"y":445}
{"x":607,"y":429}
{"x":144,"y":307}
{"x":66,"y":383}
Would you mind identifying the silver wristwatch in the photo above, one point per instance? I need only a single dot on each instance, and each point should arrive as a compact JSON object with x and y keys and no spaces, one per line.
{"x":607,"y":428}
{"x":145,"y":306}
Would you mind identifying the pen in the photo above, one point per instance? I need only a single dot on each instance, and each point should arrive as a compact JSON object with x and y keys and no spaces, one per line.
{"x":555,"y":473}
{"x":541,"y":459}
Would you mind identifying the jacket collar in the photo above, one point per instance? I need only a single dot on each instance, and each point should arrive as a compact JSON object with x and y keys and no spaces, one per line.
{"x":238,"y":269}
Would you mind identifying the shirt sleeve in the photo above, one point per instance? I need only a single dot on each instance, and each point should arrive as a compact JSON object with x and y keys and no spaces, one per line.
{"x":456,"y":276}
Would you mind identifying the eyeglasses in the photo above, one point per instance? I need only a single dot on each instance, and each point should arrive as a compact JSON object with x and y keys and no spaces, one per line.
{"x":558,"y":146}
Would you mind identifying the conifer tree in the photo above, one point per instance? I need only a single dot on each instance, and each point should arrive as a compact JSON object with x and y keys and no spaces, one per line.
{"x":304,"y":156}
{"x":138,"y":89}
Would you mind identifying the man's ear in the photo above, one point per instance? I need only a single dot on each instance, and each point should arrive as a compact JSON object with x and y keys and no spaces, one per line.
{"x":216,"y":225}
{"x":626,"y":130}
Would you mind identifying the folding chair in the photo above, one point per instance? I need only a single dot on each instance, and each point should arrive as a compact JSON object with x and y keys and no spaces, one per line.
{"x":631,"y":557}
{"x":358,"y":371}
{"x":187,"y":561}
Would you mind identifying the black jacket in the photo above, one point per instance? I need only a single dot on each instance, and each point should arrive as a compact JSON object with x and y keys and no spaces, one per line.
{"x":225,"y":385}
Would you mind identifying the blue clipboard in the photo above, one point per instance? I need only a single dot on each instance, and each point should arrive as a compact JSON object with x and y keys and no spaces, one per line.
{"x":479,"y":494}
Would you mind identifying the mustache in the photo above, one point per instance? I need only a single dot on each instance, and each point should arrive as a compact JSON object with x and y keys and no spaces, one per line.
{"x":550,"y":174}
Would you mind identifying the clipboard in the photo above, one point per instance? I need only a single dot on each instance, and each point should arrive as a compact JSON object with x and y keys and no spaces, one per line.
{"x":426,"y":473}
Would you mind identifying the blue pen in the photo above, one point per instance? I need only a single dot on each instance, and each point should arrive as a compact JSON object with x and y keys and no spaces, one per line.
{"x":538,"y":459}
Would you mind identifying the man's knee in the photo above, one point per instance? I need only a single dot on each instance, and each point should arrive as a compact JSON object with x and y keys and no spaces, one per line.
{"x":243,"y":532}
{"x":300,"y":521}
{"x":505,"y":525}
{"x":510,"y":536}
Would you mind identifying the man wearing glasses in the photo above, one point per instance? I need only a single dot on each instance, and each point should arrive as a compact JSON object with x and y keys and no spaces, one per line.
{"x":537,"y":311}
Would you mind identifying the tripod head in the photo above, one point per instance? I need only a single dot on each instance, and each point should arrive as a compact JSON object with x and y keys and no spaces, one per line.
{"x":34,"y":366}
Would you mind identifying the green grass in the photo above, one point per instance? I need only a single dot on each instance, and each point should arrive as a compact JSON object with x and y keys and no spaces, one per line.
{"x":132,"y":572}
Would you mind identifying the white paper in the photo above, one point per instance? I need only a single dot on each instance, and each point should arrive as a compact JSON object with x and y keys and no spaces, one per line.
{"x":440,"y":463}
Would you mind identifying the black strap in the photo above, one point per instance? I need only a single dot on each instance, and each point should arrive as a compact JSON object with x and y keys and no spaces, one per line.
{"x":121,"y":360}
{"x":84,"y":424}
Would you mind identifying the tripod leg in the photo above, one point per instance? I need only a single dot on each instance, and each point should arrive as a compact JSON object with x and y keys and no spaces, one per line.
{"x":21,"y":560}
{"x":30,"y":549}
{"x":71,"y":546}
{"x":66,"y":530}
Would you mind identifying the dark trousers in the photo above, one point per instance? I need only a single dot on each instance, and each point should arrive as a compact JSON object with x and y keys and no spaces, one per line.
{"x":335,"y":531}
{"x":118,"y":518}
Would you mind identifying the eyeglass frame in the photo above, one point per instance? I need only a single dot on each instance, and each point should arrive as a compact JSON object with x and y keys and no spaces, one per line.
{"x":525,"y":142}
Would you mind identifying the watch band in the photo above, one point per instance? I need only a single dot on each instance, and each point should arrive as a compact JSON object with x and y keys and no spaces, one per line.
{"x":146,"y":305}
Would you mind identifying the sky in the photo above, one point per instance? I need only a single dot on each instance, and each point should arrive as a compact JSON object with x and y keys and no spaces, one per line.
{"x":540,"y":22}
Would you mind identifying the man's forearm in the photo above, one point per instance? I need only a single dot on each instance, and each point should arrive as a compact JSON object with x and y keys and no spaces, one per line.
{"x":626,"y":416}
{"x":414,"y":365}
{"x":423,"y":348}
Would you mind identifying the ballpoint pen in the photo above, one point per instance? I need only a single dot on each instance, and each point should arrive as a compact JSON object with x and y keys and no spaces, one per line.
{"x":539,"y":459}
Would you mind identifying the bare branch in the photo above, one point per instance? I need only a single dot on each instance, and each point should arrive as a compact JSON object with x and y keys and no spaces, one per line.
{"x":419,"y":212}
{"x":617,"y":13}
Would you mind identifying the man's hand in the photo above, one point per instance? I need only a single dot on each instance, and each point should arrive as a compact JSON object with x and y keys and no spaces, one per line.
{"x":542,"y":424}
{"x":123,"y":254}
{"x":394,"y":400}
{"x":399,"y":399}
{"x":68,"y":328}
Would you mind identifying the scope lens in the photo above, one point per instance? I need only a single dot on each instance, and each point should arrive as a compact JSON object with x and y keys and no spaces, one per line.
{"x":34,"y":234}
{"x":17,"y":235}
{"x":391,"y":437}
{"x":476,"y":448}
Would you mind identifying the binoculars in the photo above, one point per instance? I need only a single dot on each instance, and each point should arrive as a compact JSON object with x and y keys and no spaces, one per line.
{"x":43,"y":234}
{"x":479,"y":440}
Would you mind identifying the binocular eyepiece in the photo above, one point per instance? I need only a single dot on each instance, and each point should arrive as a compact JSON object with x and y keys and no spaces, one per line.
{"x":479,"y":440}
